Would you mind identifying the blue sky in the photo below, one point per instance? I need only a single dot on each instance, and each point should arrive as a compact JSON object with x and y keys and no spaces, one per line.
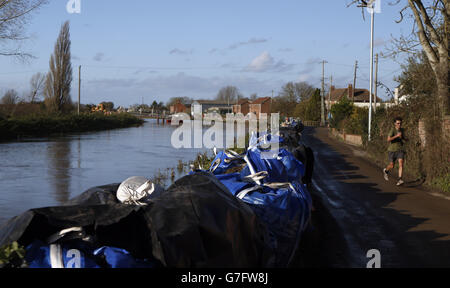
{"x":160,"y":49}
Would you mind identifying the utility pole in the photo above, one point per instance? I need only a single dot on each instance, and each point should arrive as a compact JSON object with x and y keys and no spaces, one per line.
{"x":372,"y":13}
{"x":322,"y":104}
{"x":376,"y":82}
{"x":329,"y":94}
{"x":354,"y":81}
{"x":79,"y":88}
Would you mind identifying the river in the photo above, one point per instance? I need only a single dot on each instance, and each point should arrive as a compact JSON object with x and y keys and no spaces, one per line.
{"x":44,"y":172}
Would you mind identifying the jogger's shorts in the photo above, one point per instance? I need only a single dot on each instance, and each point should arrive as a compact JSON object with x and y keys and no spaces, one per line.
{"x":396,"y":155}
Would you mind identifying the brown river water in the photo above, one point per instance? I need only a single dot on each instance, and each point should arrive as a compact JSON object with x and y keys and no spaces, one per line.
{"x":42,"y":172}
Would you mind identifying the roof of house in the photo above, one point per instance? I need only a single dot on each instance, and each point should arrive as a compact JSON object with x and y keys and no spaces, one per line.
{"x":260,"y":100}
{"x":211,"y":102}
{"x":243,"y":101}
{"x":178,"y":104}
{"x":361,"y":95}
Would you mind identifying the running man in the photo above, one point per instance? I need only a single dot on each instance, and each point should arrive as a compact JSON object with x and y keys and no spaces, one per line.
{"x":396,"y":138}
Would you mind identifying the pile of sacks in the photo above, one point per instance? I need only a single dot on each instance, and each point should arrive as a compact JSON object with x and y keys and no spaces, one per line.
{"x":271,"y":182}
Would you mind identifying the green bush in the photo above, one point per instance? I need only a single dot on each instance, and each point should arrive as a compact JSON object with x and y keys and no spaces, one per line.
{"x":12,"y":256}
{"x":357,"y":122}
{"x":339,"y":112}
{"x":309,"y":109}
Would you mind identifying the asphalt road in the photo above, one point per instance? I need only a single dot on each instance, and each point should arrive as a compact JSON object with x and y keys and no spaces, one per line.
{"x":356,"y":210}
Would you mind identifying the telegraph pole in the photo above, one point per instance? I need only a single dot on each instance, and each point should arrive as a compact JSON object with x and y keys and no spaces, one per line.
{"x":79,"y":88}
{"x":371,"y":66}
{"x":322,"y":104}
{"x":354,"y":81}
{"x":376,"y":82}
{"x":329,"y":94}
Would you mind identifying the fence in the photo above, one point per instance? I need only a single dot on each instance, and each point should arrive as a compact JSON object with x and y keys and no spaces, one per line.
{"x":311,"y":123}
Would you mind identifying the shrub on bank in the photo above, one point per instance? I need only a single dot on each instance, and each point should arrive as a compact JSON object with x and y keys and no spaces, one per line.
{"x":426,"y":161}
{"x":44,"y":125}
{"x":349,"y":118}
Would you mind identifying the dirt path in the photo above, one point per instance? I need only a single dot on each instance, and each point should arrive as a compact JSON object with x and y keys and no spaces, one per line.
{"x":357,"y":210}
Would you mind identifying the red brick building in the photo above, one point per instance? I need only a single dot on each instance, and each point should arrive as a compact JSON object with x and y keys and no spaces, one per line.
{"x":261,"y":105}
{"x":243,"y":106}
{"x":178,"y":108}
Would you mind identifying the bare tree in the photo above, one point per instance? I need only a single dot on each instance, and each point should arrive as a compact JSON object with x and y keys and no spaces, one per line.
{"x":288,"y":92}
{"x":297,"y":92}
{"x":303,"y":91}
{"x":14,"y":15}
{"x":229,"y":94}
{"x":11,"y":97}
{"x":430,"y":33}
{"x":37,"y":83}
{"x":253,"y":96}
{"x":59,"y":78}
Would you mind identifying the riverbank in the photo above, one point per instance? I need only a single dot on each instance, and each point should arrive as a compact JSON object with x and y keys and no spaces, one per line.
{"x":46,"y":125}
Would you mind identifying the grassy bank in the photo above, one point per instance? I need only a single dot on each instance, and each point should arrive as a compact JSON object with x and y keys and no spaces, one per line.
{"x":45,"y":125}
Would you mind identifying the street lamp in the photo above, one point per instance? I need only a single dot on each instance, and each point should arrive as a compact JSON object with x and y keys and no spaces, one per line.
{"x":370,"y":6}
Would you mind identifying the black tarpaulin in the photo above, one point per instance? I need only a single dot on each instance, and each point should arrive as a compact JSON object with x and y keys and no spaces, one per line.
{"x":195,"y":223}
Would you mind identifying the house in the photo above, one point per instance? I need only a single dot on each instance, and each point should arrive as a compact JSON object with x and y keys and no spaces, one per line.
{"x":243,"y":106}
{"x":360,"y":98}
{"x":178,"y":107}
{"x":261,"y":105}
{"x":218,"y":106}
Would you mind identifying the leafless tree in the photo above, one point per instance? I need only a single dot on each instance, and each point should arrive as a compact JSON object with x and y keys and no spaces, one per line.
{"x":11,"y":97}
{"x":229,"y":94}
{"x":59,"y":78}
{"x":430,"y":33}
{"x":37,"y":84}
{"x":432,"y":27}
{"x":288,"y":92}
{"x":304,"y":91}
{"x":14,"y":15}
{"x":297,"y":92}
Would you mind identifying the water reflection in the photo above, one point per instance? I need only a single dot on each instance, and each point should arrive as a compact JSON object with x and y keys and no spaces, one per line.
{"x":46,"y":172}
{"x":58,"y":155}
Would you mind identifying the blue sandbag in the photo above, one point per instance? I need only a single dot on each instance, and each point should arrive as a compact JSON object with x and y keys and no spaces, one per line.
{"x":234,"y":183}
{"x":219,"y":165}
{"x":264,"y":139}
{"x":285,"y":210}
{"x":121,"y":258}
{"x":80,"y":254}
{"x":283,"y":167}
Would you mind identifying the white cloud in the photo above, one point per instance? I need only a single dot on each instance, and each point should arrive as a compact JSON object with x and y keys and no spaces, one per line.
{"x":266,"y":63}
